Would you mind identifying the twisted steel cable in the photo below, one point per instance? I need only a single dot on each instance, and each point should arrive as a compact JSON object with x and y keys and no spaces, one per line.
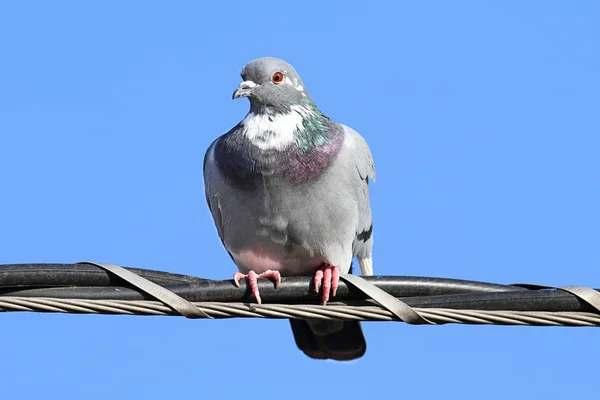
{"x":334,"y":311}
{"x":89,"y":288}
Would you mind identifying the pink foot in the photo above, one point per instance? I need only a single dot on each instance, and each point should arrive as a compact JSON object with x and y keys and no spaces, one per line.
{"x":330,"y":276}
{"x":252,"y":280}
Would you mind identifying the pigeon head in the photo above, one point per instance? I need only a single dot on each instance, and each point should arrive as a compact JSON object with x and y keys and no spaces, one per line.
{"x":282,"y":116}
{"x":271,"y":83}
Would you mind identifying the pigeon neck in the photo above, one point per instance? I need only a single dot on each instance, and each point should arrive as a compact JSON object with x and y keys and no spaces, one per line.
{"x":297,"y":146}
{"x":302,"y":126}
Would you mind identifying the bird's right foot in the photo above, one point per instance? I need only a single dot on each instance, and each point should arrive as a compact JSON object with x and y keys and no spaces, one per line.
{"x":252,"y":278}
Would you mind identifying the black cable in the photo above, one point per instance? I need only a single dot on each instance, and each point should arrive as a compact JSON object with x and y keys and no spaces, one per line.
{"x":36,"y":275}
{"x":82,"y":281}
{"x":76,"y":280}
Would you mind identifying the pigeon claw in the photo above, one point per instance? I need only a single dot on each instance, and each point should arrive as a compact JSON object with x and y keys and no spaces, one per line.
{"x":252,"y":278}
{"x":329,"y":276}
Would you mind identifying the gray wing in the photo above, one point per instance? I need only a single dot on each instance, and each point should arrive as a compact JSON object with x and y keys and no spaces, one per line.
{"x":365,"y":170}
{"x":211,"y":173}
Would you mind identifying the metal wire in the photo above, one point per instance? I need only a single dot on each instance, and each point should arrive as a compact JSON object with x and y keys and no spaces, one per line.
{"x":90,"y":288}
{"x":334,"y":311}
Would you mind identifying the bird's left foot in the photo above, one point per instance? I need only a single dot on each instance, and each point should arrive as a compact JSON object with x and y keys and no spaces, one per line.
{"x":329,"y":276}
{"x":252,"y":280}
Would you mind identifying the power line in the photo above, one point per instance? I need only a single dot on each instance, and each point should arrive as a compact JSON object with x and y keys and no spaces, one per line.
{"x":101,"y":289}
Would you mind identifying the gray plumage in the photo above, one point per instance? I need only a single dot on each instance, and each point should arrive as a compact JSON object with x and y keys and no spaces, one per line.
{"x":288,"y":191}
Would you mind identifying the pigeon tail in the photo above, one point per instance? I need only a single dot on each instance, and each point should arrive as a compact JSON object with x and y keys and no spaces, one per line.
{"x":335,"y":340}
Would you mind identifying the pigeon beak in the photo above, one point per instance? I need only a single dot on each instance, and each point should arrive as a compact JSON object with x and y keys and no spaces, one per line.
{"x":244,"y":90}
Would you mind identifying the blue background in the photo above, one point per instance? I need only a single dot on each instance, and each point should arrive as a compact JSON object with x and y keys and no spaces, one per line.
{"x":483,"y":118}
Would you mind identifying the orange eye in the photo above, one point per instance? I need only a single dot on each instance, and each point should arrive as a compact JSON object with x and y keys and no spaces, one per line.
{"x":277,"y":78}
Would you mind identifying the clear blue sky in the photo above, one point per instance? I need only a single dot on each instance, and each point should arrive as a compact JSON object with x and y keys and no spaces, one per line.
{"x":483,"y":118}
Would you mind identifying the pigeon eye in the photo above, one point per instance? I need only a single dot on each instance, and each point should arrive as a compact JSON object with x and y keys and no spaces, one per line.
{"x":277,"y":78}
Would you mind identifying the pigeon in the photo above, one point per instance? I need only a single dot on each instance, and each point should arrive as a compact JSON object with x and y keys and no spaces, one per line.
{"x":287,"y":188}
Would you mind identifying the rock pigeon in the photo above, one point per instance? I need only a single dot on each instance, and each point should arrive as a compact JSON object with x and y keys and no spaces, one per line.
{"x":288,"y":191}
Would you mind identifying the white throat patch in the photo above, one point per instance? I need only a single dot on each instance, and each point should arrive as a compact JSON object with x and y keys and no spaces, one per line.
{"x":269,"y":131}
